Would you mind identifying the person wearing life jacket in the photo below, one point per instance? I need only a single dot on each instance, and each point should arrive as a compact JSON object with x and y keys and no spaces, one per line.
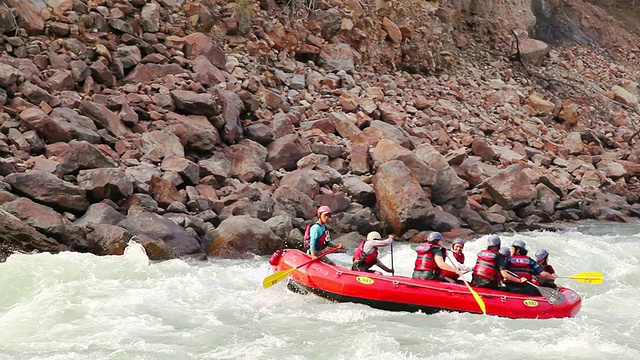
{"x":366,"y":254}
{"x":542,"y":258}
{"x":525,"y":268}
{"x":431,"y":259}
{"x":319,"y":237}
{"x":456,"y":251}
{"x":506,"y":252}
{"x":490,"y":268}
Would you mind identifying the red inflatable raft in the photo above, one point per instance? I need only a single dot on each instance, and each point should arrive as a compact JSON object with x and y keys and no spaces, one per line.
{"x":401,"y":293}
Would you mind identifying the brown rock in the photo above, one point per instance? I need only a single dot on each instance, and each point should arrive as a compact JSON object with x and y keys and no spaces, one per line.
{"x":511,"y":187}
{"x":393,"y":31}
{"x":344,"y":124}
{"x":103,"y":117}
{"x":164,"y":234}
{"x":284,"y":152}
{"x":198,"y":44}
{"x":18,"y":234}
{"x":188,"y":170}
{"x":106,"y":183}
{"x":242,"y":236}
{"x":164,"y":192}
{"x":401,"y":201}
{"x":48,"y":189}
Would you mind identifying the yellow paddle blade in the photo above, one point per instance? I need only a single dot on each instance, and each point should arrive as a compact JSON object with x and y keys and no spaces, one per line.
{"x":587,"y":277}
{"x":477,"y":297}
{"x":276,"y":277}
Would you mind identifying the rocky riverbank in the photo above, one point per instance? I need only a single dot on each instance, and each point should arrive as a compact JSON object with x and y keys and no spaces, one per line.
{"x":214,"y":127}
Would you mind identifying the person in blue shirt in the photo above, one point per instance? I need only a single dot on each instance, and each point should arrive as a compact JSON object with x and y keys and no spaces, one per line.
{"x":319,"y":237}
{"x":524,"y":267}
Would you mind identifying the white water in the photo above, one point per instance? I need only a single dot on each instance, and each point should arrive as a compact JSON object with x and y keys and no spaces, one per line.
{"x":79,"y":306}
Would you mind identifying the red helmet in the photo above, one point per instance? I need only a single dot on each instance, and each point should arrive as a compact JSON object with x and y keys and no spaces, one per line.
{"x":323,"y":209}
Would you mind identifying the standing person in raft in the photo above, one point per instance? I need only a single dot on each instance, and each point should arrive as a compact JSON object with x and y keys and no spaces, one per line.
{"x":430,"y":261}
{"x":542,"y":258}
{"x":456,"y":250}
{"x":366,"y":254}
{"x":525,"y":268}
{"x":319,"y":237}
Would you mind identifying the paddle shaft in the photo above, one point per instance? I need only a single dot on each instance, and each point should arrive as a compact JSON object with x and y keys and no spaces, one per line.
{"x":281,"y":275}
{"x":392,"y":268}
{"x":550,"y":294}
{"x":476,"y":296}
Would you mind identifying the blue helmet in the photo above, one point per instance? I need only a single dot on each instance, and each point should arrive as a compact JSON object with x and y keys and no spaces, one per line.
{"x":541,"y":254}
{"x":505,"y":251}
{"x":457,"y":241}
{"x":434,"y":236}
{"x":519,"y":244}
{"x":493,"y":240}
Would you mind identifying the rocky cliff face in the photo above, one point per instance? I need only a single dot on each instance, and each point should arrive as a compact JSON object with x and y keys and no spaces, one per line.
{"x":218,"y":127}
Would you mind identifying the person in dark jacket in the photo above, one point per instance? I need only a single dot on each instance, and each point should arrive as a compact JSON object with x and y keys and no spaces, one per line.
{"x":525,"y":268}
{"x":491,"y":267}
{"x":366,"y":254}
{"x":542,"y":258}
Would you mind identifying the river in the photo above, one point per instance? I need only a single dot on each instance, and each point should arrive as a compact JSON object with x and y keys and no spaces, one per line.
{"x":79,"y":306}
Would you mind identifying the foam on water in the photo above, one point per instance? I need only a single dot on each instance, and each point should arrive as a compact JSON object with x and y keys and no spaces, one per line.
{"x":79,"y":306}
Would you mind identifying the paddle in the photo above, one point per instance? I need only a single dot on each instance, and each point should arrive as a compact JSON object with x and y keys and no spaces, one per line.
{"x":585,"y":277}
{"x":393,"y":272}
{"x":280,"y":275}
{"x":553,"y":295}
{"x":476,"y":296}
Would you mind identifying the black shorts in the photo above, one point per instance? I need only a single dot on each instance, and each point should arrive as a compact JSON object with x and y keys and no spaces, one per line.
{"x":485,"y":283}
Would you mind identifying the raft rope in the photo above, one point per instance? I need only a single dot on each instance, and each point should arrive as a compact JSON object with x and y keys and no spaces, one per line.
{"x":408,"y":284}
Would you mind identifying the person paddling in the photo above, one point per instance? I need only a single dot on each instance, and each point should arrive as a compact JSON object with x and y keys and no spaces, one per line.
{"x":542,"y":258}
{"x":366,"y":254}
{"x":525,"y":268}
{"x":319,"y":237}
{"x":430,"y":261}
{"x":456,"y":251}
{"x":490,"y":268}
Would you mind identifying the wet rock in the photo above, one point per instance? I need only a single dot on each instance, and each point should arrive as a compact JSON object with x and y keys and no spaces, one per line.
{"x":153,"y":226}
{"x":107,"y":239}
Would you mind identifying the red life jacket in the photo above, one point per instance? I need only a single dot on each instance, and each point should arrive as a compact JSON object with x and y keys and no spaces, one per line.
{"x":368,"y":260}
{"x":548,"y":268}
{"x":426,"y":260}
{"x":307,"y":241}
{"x":521,"y":266}
{"x":537,"y":280}
{"x":487,"y":265}
{"x":452,"y":275}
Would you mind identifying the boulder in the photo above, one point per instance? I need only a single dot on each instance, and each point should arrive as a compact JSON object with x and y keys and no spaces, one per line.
{"x":401,"y":201}
{"x":241,"y":236}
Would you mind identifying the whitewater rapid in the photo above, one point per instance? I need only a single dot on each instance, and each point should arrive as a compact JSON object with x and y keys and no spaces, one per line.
{"x":79,"y":306}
